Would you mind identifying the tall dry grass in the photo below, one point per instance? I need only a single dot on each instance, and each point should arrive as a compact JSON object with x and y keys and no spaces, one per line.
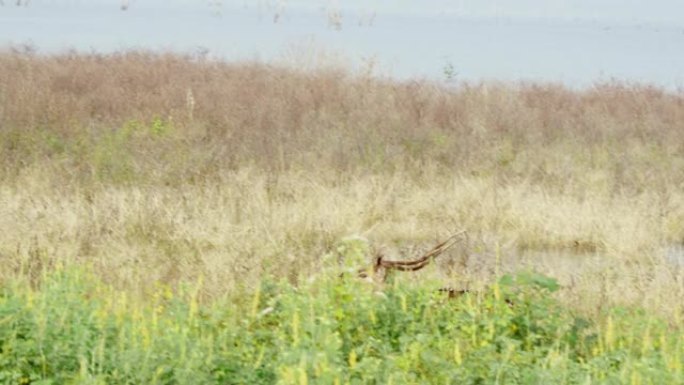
{"x":160,"y":167}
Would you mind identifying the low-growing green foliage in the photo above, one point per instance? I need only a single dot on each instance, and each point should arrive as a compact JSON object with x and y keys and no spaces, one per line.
{"x":74,"y":329}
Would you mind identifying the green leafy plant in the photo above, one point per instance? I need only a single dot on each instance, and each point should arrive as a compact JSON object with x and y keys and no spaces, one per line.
{"x":74,"y":329}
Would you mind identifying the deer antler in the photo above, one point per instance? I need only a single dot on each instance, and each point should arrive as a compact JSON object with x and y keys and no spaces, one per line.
{"x":416,"y":264}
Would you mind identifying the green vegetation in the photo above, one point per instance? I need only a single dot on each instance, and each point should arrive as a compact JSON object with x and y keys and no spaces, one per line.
{"x":76,"y":330}
{"x":174,"y":220}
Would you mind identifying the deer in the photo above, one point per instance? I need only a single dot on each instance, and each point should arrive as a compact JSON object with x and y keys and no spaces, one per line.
{"x":382,"y":266}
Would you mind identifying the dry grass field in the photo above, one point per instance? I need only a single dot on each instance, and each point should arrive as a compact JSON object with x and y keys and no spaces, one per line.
{"x":160,"y":170}
{"x":167,"y":168}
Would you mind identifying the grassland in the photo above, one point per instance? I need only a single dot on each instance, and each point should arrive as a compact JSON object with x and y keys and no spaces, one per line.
{"x":170,"y":219}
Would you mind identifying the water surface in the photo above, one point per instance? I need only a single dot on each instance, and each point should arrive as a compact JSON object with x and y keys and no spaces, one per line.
{"x":466,"y":43}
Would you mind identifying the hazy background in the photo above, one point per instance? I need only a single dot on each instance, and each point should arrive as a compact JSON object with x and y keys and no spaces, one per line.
{"x":574,"y":41}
